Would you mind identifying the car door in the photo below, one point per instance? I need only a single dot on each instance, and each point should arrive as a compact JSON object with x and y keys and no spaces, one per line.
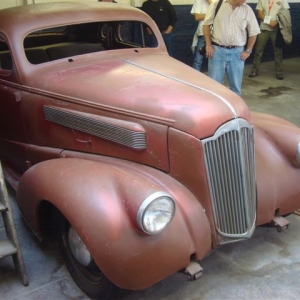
{"x":12,"y":131}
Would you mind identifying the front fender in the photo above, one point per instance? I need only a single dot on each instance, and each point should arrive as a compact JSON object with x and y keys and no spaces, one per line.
{"x":101,"y":199}
{"x":277,"y":169}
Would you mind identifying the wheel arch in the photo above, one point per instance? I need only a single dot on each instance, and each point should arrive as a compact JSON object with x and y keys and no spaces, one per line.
{"x":277,"y":169}
{"x":107,"y":227}
{"x":45,"y":218}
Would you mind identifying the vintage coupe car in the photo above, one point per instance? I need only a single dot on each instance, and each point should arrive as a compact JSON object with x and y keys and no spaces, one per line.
{"x":139,"y":164}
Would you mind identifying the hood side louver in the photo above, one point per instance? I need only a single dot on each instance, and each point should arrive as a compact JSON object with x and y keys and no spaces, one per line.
{"x":134,"y":136}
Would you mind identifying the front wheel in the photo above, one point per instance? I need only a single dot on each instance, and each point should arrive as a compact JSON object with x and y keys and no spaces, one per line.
{"x":81,"y":265}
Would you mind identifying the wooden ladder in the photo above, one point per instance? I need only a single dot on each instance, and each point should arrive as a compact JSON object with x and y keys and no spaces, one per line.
{"x":10,"y":245}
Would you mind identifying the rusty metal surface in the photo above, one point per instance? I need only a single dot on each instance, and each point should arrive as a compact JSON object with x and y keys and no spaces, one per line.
{"x":245,"y":270}
{"x":97,"y":182}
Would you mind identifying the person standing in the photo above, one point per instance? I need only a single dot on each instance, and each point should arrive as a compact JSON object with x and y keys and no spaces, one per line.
{"x":199,"y":10}
{"x":225,"y":45}
{"x":267,"y":11}
{"x":164,"y":15}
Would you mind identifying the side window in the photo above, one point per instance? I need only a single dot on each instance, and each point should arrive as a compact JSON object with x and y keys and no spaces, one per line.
{"x":5,"y":56}
{"x":134,"y":33}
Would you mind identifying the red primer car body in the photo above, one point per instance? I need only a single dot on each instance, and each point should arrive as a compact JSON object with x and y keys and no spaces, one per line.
{"x":93,"y":122}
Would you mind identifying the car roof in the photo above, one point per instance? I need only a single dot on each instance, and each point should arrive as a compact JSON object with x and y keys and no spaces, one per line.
{"x":23,"y":19}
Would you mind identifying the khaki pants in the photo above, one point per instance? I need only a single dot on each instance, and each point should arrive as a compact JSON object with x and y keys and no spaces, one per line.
{"x":261,"y":42}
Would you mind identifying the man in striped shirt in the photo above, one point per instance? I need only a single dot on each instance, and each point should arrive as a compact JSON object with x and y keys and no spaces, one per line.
{"x":229,"y":42}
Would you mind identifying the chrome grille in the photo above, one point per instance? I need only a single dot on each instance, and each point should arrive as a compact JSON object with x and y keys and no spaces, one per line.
{"x":230,"y":166}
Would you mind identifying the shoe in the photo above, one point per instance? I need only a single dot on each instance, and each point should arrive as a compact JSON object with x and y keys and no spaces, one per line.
{"x":253,"y":74}
{"x":279,"y":76}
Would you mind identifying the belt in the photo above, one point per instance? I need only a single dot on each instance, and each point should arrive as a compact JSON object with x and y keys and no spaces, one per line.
{"x":222,"y":46}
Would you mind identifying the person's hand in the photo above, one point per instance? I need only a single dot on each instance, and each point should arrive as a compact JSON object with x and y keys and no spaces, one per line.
{"x":149,"y":30}
{"x":244,"y":55}
{"x":273,"y":24}
{"x":168,"y":30}
{"x":209,"y":51}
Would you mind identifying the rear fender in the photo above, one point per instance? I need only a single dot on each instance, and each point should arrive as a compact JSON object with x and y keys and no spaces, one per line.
{"x":101,"y":199}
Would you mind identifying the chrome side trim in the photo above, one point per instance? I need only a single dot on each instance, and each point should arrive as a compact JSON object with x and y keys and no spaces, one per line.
{"x":230,"y":165}
{"x":134,"y":136}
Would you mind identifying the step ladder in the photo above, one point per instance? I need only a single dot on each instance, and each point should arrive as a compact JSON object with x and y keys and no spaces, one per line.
{"x":10,"y":245}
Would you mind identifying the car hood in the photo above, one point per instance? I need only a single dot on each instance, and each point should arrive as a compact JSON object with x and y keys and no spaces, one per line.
{"x":150,"y":86}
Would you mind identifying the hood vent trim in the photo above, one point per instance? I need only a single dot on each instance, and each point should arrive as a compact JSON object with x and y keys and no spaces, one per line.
{"x":134,"y":138}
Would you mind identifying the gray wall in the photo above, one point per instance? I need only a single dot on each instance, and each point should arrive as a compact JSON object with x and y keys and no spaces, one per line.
{"x":186,"y":26}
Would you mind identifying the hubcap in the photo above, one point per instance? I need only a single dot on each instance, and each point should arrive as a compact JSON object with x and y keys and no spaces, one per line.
{"x":78,"y":248}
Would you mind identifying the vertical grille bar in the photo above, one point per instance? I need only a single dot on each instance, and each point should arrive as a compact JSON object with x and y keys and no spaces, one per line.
{"x":230,"y":166}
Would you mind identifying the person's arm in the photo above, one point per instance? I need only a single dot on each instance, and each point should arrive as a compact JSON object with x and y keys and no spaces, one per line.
{"x":209,"y":48}
{"x":273,"y":24}
{"x":149,"y":31}
{"x":207,"y":23}
{"x":169,"y":29}
{"x":172,"y":17}
{"x":199,"y":17}
{"x":261,"y":16}
{"x":253,"y":31}
{"x":250,"y":44}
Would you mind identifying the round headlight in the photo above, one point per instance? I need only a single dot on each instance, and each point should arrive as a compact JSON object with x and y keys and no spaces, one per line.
{"x":298,"y":154}
{"x":155,"y":213}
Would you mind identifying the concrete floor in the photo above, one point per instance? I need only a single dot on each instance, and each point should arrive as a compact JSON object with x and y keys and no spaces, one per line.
{"x":267,"y":266}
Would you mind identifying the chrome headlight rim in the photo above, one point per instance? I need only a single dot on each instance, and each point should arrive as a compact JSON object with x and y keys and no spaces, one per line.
{"x":146,"y":204}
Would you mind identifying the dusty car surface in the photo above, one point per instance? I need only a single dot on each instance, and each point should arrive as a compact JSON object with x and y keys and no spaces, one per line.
{"x":139,"y":164}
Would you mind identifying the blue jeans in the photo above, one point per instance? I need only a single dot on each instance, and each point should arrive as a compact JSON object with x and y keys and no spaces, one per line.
{"x":198,"y":58}
{"x":227,"y":61}
{"x":168,"y":38}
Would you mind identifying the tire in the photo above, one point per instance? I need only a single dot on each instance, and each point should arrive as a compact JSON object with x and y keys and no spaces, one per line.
{"x":88,"y":278}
